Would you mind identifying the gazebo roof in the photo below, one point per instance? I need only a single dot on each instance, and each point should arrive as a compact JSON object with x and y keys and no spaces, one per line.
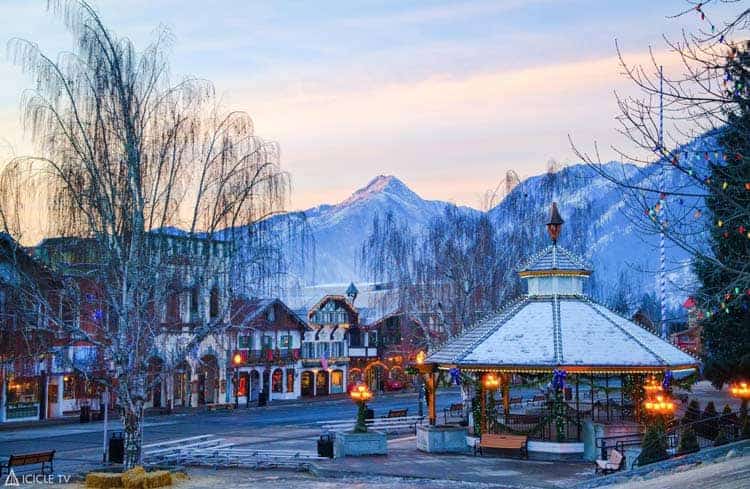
{"x":557,"y":326}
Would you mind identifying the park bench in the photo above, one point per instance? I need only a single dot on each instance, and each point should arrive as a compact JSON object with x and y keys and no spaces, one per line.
{"x":42,"y":458}
{"x":516,"y":443}
{"x":397,"y":413}
{"x":400,"y":424}
{"x":539,"y":398}
{"x":217,"y":406}
{"x":615,"y":461}
{"x":455,"y":410}
{"x":515,"y":400}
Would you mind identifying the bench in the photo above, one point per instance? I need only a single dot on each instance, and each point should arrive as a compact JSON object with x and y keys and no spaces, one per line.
{"x":615,"y":461}
{"x":399,"y":424}
{"x":536,"y":399}
{"x":218,"y":406}
{"x":456,"y":409}
{"x":43,"y":458}
{"x":397,"y":413}
{"x":515,"y":400}
{"x":518,"y":443}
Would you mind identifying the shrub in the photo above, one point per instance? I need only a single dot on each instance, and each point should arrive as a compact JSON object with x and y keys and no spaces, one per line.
{"x":746,"y":428}
{"x":721,"y":438}
{"x":727,"y":410}
{"x":710,"y":411}
{"x":654,"y":446}
{"x":688,"y":442}
{"x":692,"y":413}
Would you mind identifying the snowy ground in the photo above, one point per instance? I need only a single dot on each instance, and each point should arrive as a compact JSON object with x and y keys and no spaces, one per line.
{"x":733,"y":473}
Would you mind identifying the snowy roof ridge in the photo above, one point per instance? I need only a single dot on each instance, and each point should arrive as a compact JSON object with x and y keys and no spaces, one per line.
{"x":627,"y":333}
{"x":549,"y":259}
{"x":557,"y":329}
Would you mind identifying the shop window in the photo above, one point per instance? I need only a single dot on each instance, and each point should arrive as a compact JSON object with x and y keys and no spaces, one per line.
{"x":337,"y":378}
{"x":242,"y":386}
{"x":277,"y":380}
{"x":290,"y":380}
{"x":244,"y":342}
{"x":69,"y":387}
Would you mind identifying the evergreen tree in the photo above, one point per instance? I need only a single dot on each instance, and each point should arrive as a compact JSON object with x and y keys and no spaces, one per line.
{"x":710,"y":411}
{"x":654,"y":445}
{"x":692,"y":413}
{"x":726,"y":332}
{"x":746,"y":428}
{"x":688,"y":442}
{"x":721,"y":438}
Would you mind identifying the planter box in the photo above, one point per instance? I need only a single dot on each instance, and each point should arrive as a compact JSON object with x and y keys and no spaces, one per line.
{"x":348,"y":444}
{"x":442,"y":439}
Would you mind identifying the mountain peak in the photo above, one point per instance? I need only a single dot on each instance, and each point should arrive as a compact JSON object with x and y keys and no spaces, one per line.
{"x":382,"y":184}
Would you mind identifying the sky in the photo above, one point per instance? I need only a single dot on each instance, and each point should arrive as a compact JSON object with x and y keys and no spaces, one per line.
{"x":447,"y":96}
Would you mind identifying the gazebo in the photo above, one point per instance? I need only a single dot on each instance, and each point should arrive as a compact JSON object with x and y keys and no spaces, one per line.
{"x":555,"y":332}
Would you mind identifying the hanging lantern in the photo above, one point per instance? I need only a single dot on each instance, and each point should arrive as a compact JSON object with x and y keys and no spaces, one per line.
{"x":491,"y":382}
{"x":659,"y":405}
{"x":739,"y":390}
{"x":652,"y":386}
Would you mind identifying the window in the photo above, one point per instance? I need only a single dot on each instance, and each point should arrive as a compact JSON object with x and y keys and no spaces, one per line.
{"x":267,"y":341}
{"x":193,"y":302}
{"x":290,"y":380}
{"x":337,"y":381}
{"x":245,"y":342}
{"x":372,"y":339}
{"x":285,"y":341}
{"x":308,"y":350}
{"x":324,"y":349}
{"x":276,"y":380}
{"x":337,"y":349}
{"x":271,"y":316}
{"x":214,"y":302}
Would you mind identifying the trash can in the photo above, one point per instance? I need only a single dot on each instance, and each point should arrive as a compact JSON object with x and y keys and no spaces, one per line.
{"x":369,"y":413}
{"x":325,"y":446}
{"x":262,"y":398}
{"x":116,"y":447}
{"x":85,"y":414}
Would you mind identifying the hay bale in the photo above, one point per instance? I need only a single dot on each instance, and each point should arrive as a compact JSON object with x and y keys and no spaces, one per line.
{"x":103,"y":480}
{"x":180,"y":476}
{"x":134,"y":478}
{"x":158,"y":478}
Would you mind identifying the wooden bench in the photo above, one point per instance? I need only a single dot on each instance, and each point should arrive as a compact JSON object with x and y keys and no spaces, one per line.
{"x":615,"y":461}
{"x":397,"y":413}
{"x":217,"y":406}
{"x":518,"y":443}
{"x":515,"y":400}
{"x":43,"y":458}
{"x":456,"y":409}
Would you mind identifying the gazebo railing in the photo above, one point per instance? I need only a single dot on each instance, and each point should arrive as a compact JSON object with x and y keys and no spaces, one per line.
{"x":541,"y":425}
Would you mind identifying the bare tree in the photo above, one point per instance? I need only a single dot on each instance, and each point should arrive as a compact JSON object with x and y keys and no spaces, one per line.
{"x":125,"y":153}
{"x":454,"y":269}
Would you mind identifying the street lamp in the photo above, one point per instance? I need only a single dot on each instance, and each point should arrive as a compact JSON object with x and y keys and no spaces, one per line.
{"x":490,"y":383}
{"x":740,"y":390}
{"x":236,"y":361}
{"x":360,"y":394}
{"x":659,"y":405}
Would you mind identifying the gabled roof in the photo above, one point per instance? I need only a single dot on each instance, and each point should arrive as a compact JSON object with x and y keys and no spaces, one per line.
{"x":554,"y":257}
{"x":244,"y":311}
{"x":338,"y":298}
{"x":543,"y":333}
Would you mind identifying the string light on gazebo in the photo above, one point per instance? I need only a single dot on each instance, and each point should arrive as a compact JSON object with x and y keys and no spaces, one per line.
{"x":740,"y":390}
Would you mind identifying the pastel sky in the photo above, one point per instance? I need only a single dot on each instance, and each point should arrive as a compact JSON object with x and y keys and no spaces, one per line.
{"x":445,"y":95}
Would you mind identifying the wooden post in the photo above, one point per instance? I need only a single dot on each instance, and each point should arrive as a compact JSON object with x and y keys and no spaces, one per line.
{"x":606,"y":392}
{"x":506,"y":396}
{"x":432,"y":410}
{"x":578,"y":411}
{"x":591,"y":378}
{"x":483,"y":406}
{"x":622,"y":397}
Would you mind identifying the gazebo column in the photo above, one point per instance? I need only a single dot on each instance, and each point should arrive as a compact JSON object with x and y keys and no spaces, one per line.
{"x":483,"y":403}
{"x":578,"y":410}
{"x":591,"y":378}
{"x":506,"y":395}
{"x":622,"y":397}
{"x":606,"y":392}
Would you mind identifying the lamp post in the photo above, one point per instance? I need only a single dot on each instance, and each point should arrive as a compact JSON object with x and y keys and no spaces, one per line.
{"x":360,"y":394}
{"x":420,"y":383}
{"x":236,"y":361}
{"x":490,"y":383}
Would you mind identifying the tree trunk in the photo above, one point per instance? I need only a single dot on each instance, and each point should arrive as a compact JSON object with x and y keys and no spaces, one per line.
{"x":133,"y":420}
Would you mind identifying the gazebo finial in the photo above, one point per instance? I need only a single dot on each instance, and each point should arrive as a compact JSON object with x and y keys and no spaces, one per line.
{"x":554,"y":226}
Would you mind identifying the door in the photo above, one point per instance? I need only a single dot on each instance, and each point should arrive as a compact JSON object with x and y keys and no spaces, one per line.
{"x":254,"y":385}
{"x":306,"y":383}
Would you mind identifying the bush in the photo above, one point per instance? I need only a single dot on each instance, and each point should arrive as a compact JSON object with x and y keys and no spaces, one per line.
{"x":746,"y":428}
{"x":727,"y":411}
{"x":721,"y":438}
{"x":654,"y":446}
{"x":692,"y":413}
{"x":688,"y":442}
{"x":710,"y":411}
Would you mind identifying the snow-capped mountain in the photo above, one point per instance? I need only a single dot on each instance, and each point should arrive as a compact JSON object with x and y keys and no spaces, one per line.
{"x":598,"y":228}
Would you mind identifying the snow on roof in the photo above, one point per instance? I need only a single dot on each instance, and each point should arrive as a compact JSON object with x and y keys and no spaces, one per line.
{"x":553,"y":331}
{"x":554,"y":257}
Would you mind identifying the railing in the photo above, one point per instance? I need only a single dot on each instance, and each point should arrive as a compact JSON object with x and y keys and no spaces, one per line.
{"x":542,"y":425}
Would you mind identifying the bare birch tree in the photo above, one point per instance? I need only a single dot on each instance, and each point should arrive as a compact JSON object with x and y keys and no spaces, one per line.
{"x":125,"y":152}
